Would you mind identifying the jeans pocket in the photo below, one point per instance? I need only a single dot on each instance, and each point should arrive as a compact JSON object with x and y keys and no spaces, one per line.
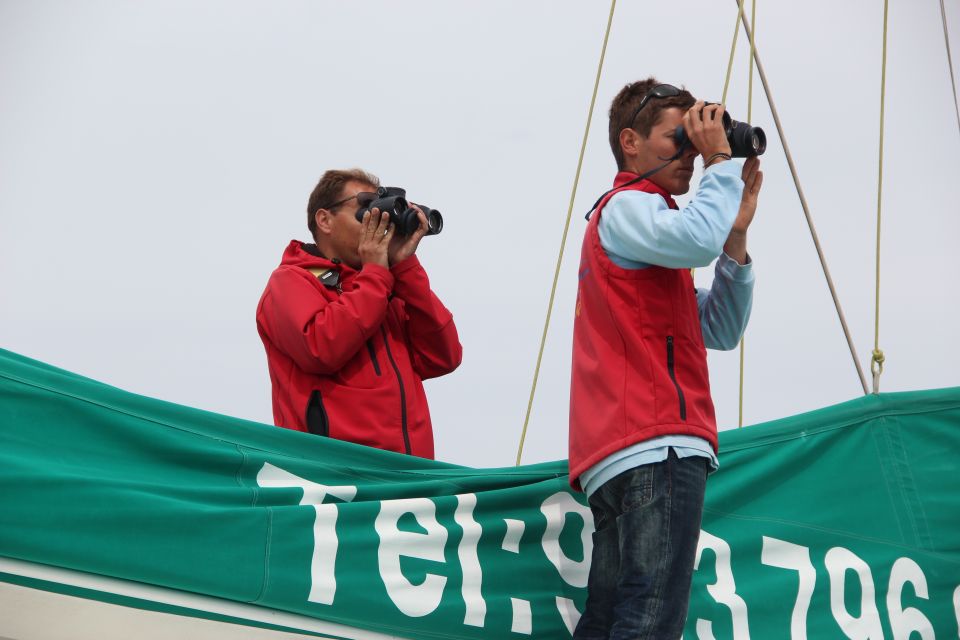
{"x":637,"y":488}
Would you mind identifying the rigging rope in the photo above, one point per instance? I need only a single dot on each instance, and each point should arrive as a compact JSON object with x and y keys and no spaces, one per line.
{"x":566,"y":228}
{"x":876,"y":361}
{"x":723,"y":100}
{"x":953,"y":83}
{"x":733,"y":50}
{"x":753,"y":49}
{"x":803,"y":203}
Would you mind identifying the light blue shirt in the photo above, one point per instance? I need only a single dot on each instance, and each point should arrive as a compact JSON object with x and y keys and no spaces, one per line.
{"x":638,"y":230}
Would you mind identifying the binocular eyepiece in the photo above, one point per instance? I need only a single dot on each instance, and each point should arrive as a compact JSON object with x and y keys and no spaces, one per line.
{"x":404,"y":218}
{"x":745,"y":141}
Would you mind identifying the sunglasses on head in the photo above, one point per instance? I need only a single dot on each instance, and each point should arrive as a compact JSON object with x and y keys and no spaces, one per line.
{"x":659,"y":91}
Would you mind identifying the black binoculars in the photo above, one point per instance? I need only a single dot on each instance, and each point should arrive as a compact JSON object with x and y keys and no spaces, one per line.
{"x":393,"y":200}
{"x":745,"y":141}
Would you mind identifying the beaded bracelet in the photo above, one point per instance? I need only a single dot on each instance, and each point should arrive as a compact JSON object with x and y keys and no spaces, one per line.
{"x":709,"y":161}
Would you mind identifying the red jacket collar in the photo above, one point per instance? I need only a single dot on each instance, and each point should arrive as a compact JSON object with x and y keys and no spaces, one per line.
{"x":622,"y":183}
{"x":624,"y":177}
{"x":306,"y":256}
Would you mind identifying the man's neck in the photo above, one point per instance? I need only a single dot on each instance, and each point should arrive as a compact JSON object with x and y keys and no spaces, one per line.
{"x":631,"y":166}
{"x":316,"y":250}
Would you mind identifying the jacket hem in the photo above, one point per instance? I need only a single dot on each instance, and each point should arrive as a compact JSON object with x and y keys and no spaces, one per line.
{"x":645,"y":433}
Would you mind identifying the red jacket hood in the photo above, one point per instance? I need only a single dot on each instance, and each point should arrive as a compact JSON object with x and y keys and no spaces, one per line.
{"x":307,"y":256}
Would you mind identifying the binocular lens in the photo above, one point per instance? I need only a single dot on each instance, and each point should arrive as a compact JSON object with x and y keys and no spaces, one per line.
{"x":434,"y":221}
{"x":746,"y":141}
{"x":408,"y":222}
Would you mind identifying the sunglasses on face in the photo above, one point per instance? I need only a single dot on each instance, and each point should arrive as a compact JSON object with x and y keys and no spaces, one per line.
{"x":659,"y":91}
{"x":364,"y":198}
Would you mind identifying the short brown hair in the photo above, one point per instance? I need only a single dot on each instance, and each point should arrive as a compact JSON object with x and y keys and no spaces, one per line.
{"x":625,"y":104}
{"x":329,"y":189}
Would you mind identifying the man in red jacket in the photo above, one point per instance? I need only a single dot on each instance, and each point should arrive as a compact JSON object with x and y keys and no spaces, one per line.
{"x":351,"y":327}
{"x":643,"y":434}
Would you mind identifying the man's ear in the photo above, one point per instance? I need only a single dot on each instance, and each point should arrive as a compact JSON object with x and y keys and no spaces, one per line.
{"x":323,"y":218}
{"x":630,"y":142}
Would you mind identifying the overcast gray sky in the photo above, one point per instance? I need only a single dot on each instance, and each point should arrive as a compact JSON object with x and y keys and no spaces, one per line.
{"x":156,"y":158}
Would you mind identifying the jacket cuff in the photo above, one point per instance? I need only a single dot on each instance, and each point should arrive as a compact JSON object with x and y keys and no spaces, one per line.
{"x":380,"y":273}
{"x":405,"y":265}
{"x":733,"y":270}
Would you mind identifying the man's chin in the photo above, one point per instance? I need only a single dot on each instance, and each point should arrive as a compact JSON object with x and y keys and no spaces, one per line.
{"x":680,"y":187}
{"x":674,"y":185}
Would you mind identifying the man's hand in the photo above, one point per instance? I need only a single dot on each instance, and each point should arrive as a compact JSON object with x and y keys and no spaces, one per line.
{"x":752,"y":181}
{"x":402,"y":248}
{"x":736,"y":246}
{"x":376,"y":232}
{"x":704,"y":127}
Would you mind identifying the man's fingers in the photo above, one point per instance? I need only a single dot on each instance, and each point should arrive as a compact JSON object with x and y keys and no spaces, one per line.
{"x":424,"y":225}
{"x":695,"y":123}
{"x":365,"y":226}
{"x":752,"y":185}
{"x":713,"y":117}
{"x":688,"y":122}
{"x":750,"y":168}
{"x":370,"y":221}
{"x":718,"y":114}
{"x":696,"y":112}
{"x":384,"y":222}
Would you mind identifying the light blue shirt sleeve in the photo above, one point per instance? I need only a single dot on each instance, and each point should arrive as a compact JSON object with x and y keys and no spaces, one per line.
{"x":725,"y":308}
{"x":638,"y":229}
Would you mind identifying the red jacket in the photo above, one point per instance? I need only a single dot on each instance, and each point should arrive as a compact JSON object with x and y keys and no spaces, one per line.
{"x":639,"y":364}
{"x":347,"y":359}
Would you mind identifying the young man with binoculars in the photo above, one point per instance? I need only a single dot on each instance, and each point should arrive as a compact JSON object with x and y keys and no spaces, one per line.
{"x":349,"y":323}
{"x":643,"y":434}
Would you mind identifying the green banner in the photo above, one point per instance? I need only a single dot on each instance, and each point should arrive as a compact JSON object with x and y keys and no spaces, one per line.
{"x":841,"y":523}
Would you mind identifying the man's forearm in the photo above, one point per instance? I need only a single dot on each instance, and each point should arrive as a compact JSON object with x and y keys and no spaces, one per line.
{"x":434,"y":343}
{"x":318,"y":333}
{"x":736,"y":247}
{"x":725,"y":308}
{"x":413,"y":287}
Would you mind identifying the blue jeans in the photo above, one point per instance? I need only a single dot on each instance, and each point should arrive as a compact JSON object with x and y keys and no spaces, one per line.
{"x":647,"y":524}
